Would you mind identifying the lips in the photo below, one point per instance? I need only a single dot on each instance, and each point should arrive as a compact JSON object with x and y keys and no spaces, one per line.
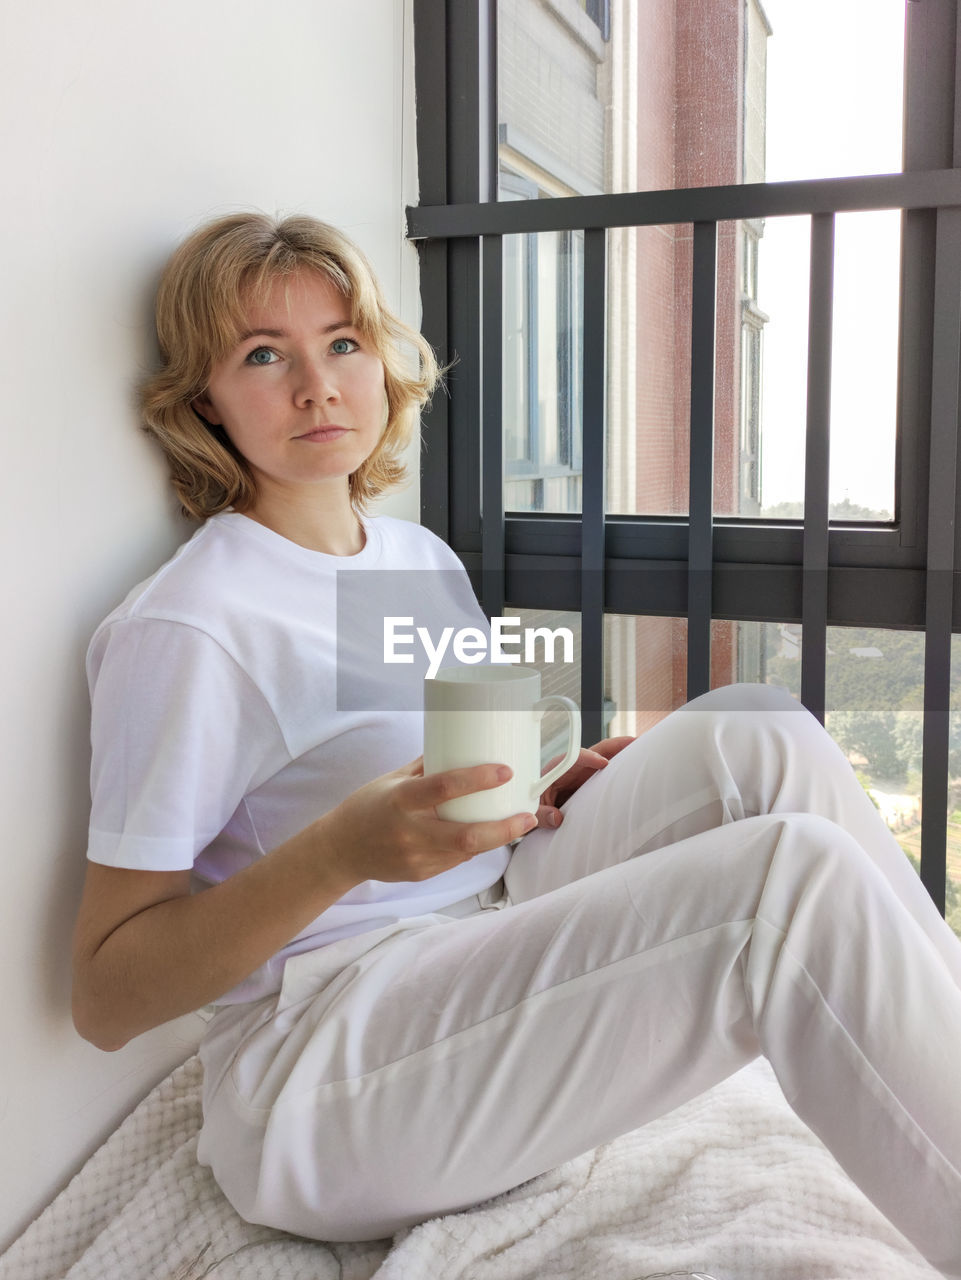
{"x":321,"y":434}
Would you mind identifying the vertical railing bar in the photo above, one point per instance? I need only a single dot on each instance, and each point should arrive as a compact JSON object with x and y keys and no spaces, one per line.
{"x":814,"y":595}
{"x":431,"y":92}
{"x":939,"y":589}
{"x":700,"y":561}
{"x":471,"y":74}
{"x":430,"y":51}
{"x":464,"y":380}
{"x":492,"y":433}
{"x":435,"y":420}
{"x":488,"y":141}
{"x":593,"y":492}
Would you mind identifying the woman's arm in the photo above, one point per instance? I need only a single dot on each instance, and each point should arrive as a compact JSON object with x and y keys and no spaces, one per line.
{"x":146,"y":950}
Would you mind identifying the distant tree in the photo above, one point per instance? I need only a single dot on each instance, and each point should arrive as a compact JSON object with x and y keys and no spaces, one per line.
{"x":871,"y":734}
{"x":888,"y":682}
{"x":909,"y":736}
{"x":875,"y":705}
{"x":848,"y":510}
{"x":843,"y":510}
{"x":783,"y":511}
{"x":785,"y":672}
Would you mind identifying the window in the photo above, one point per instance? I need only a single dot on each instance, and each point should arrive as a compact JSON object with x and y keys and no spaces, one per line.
{"x":606,"y":286}
{"x":542,"y":361}
{"x":599,"y":12}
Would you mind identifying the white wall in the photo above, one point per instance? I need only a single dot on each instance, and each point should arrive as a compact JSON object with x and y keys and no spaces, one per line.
{"x":125,"y":124}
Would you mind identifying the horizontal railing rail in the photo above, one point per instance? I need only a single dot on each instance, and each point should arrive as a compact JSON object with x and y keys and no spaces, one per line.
{"x":698,"y":565}
{"x":927,"y":189}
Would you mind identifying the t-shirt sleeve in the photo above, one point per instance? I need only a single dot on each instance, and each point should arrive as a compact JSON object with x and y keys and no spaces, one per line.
{"x":179,"y":735}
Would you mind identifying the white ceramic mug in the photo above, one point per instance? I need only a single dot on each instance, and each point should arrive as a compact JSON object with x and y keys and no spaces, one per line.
{"x":492,"y":715}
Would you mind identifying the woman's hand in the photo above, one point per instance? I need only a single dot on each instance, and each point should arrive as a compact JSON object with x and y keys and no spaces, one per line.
{"x":146,"y":950}
{"x":389,"y":830}
{"x":590,"y":760}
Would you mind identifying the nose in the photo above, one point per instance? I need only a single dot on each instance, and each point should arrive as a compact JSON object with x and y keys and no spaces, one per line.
{"x":315,"y":384}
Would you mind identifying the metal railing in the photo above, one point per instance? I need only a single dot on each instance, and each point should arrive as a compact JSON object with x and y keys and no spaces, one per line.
{"x":510,"y":552}
{"x":702,"y":566}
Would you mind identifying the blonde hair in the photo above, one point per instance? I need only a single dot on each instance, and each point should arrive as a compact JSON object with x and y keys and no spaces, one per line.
{"x":206,"y":288}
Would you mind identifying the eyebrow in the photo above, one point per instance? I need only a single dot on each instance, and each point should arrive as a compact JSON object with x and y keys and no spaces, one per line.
{"x":283,"y":333}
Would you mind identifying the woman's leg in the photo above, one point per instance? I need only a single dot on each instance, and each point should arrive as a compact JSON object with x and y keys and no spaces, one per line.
{"x":449,"y":1061}
{"x":736,"y":752}
{"x":423,"y":1068}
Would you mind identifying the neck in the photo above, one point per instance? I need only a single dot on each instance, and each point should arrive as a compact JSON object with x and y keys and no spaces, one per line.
{"x":320,"y":522}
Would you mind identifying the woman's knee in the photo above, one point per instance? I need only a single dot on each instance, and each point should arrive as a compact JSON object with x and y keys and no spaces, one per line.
{"x":819,"y":857}
{"x":746,"y":697}
{"x":761,"y":728}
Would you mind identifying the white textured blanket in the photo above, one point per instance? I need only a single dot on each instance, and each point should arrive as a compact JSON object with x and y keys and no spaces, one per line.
{"x":731,"y":1184}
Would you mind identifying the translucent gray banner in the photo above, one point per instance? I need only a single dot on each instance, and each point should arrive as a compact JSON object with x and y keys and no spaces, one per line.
{"x":396,"y":628}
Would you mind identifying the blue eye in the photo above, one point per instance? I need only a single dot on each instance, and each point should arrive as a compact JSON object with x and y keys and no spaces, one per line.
{"x":260,"y":355}
{"x":343,"y":346}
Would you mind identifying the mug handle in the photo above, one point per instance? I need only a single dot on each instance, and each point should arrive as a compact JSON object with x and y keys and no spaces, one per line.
{"x":573,"y":745}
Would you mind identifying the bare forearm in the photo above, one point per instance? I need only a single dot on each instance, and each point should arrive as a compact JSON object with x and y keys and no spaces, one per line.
{"x":146,"y":951}
{"x":177,"y":955}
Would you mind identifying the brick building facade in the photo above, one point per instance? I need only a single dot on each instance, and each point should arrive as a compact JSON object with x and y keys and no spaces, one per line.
{"x":632,"y":95}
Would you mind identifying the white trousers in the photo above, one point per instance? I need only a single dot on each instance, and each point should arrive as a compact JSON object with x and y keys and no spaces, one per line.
{"x":723,"y":888}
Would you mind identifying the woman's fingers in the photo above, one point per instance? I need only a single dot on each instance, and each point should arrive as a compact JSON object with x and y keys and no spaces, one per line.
{"x":433,"y":789}
{"x":590,"y":760}
{"x":548,"y":815}
{"x":389,"y":828}
{"x":584,"y":767}
{"x":471,"y":838}
{"x":609,"y":747}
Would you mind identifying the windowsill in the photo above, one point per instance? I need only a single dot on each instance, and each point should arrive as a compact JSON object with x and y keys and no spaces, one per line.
{"x":579,"y":24}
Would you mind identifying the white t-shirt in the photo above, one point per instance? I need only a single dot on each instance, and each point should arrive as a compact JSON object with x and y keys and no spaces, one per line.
{"x":230,"y":710}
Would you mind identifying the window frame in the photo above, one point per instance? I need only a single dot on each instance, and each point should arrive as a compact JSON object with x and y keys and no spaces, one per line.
{"x":821,"y":573}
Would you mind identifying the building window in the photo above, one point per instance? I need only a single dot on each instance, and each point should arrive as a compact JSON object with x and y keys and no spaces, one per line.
{"x":542,"y":371}
{"x":599,"y":12}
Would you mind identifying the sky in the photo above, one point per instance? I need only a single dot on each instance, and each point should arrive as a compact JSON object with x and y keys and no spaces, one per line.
{"x":834,"y":107}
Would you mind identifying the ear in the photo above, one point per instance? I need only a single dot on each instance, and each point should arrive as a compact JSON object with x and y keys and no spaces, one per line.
{"x":204,"y":406}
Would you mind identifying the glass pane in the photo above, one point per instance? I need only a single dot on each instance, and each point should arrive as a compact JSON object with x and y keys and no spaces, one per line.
{"x":645,"y":670}
{"x":738,"y":354}
{"x":622,"y":97}
{"x":874,"y":703}
{"x":874,"y":697}
{"x":649,"y":370}
{"x":761,"y":370}
{"x":864,"y":378}
{"x":846,"y":118}
{"x":560,"y":666}
{"x":645,"y":662}
{"x":875,"y":712}
{"x":783,"y":287}
{"x":601,"y":96}
{"x":551,"y":108}
{"x":756,"y":653}
{"x":543,"y":371}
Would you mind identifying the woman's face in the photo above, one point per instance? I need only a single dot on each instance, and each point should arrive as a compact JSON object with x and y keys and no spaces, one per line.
{"x":302,"y":395}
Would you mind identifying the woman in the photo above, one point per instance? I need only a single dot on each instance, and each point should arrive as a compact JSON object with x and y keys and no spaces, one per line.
{"x":411,"y":1015}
